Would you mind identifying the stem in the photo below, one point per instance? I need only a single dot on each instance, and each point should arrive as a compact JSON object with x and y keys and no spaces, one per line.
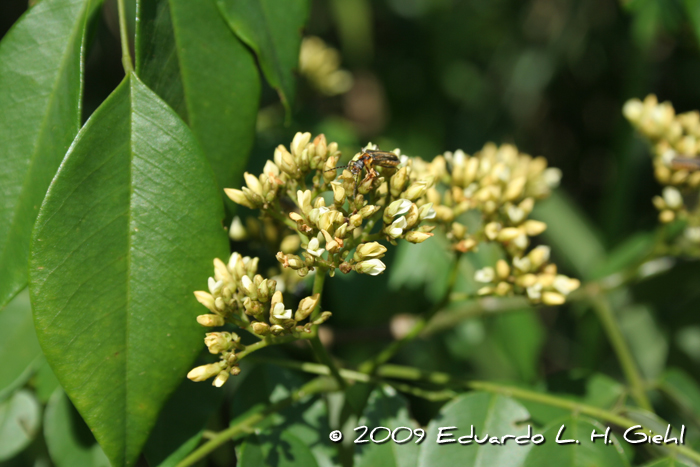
{"x":127,"y":63}
{"x":617,"y":340}
{"x":385,"y":355}
{"x":319,"y":350}
{"x":315,"y":386}
{"x":351,"y":375}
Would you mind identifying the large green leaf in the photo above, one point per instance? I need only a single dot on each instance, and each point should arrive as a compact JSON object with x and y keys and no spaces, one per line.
{"x":187,"y":54}
{"x":583,"y":453}
{"x":20,"y":353}
{"x":272,"y":28}
{"x":40,"y":90}
{"x":285,"y":451}
{"x":68,"y":439}
{"x":490,"y":414}
{"x":19,"y":423}
{"x":386,"y":408}
{"x":684,"y":391}
{"x":128,"y":230}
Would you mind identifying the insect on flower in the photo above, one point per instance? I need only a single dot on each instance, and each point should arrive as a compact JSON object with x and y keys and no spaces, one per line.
{"x":367,"y":160}
{"x":690,"y":164}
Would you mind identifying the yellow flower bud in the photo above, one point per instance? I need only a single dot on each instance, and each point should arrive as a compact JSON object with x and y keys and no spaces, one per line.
{"x":204,"y":372}
{"x":211,"y":321}
{"x":553,"y":298}
{"x":418,"y":237}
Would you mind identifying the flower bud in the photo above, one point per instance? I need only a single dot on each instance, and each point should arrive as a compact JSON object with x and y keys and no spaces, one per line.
{"x":306,"y":307}
{"x":211,"y":321}
{"x":514,"y":189}
{"x":237,"y":232}
{"x":260,"y":328}
{"x":368,"y":211}
{"x":526,"y":280}
{"x":458,"y":230}
{"x":204,"y":372}
{"x":253,"y":183}
{"x":672,"y":197}
{"x":553,"y":298}
{"x":304,"y":200}
{"x":299,"y":143}
{"x":238,"y":197}
{"x":372,"y":267}
{"x":220,"y":379}
{"x":491,"y":230}
{"x":485,"y":275}
{"x":338,"y":193}
{"x":533,"y":227}
{"x":502,"y":269}
{"x":218,"y":342}
{"x":398,"y":182}
{"x":418,"y":237}
{"x":369,"y":250}
{"x":286,"y":161}
{"x":205,"y":299}
{"x":538,"y":256}
{"x":417,"y":189}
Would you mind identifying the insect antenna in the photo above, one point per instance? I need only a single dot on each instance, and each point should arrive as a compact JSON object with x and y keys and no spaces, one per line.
{"x":339,"y":167}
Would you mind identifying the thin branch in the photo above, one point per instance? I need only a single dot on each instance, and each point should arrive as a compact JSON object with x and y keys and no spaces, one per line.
{"x":127,"y":63}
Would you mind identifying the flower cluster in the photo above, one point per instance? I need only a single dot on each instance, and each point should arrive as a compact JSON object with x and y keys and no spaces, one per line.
{"x":675,"y":141}
{"x":487,"y":197}
{"x":320,"y":65}
{"x":336,"y":218}
{"x":237,"y":294}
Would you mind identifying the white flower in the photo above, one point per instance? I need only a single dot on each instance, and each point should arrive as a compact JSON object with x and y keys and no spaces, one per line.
{"x":522,"y":264}
{"x":280,"y":313}
{"x":396,"y":228}
{"x":562,"y":284}
{"x":313,"y":247}
{"x":515,"y":214}
{"x":552,"y":177}
{"x":426,"y":212}
{"x":215,"y":286}
{"x":521,"y":241}
{"x":398,"y":207}
{"x":237,"y":232}
{"x":371,"y":267}
{"x":248,"y":285}
{"x":316,"y":213}
{"x":672,"y":197}
{"x":534,"y":292}
{"x":299,"y":142}
{"x":485,"y":275}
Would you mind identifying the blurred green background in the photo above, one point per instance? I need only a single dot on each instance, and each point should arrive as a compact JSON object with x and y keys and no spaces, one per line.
{"x":550,"y":76}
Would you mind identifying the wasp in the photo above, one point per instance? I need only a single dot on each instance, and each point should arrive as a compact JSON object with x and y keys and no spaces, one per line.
{"x":690,"y":164}
{"x":367,"y":160}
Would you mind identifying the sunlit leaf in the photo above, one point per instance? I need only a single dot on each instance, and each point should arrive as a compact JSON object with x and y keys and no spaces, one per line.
{"x":572,"y":454}
{"x":491,"y":415}
{"x":40,"y":91}
{"x":128,"y":230}
{"x":386,"y":408}
{"x":187,"y":54}
{"x":272,"y":28}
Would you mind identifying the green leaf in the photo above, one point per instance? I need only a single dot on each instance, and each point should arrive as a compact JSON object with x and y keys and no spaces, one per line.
{"x":19,"y":423}
{"x":127,"y":232}
{"x":582,"y":454}
{"x":666,"y":462}
{"x":68,"y":438}
{"x":41,"y":76}
{"x":20,"y":353}
{"x":187,"y":54}
{"x":45,"y":381}
{"x":272,"y":28}
{"x":647,"y":343}
{"x":683,"y":390}
{"x":181,"y":423}
{"x":490,"y":414}
{"x":576,"y":243}
{"x":387,"y":409}
{"x":285,"y":451}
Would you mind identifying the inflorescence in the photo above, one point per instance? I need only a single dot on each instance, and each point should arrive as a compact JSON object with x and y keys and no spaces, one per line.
{"x":330,"y":220}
